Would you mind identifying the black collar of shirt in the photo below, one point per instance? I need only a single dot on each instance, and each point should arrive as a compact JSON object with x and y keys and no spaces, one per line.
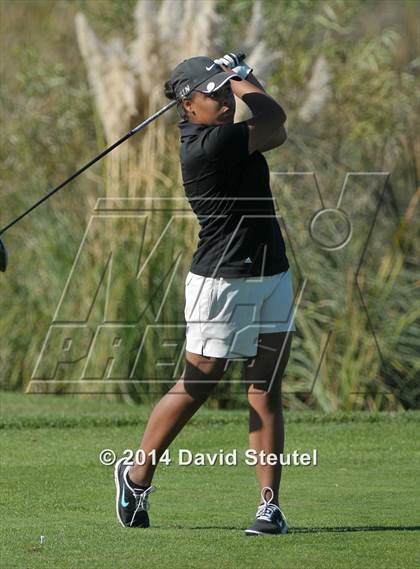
{"x":188,"y":128}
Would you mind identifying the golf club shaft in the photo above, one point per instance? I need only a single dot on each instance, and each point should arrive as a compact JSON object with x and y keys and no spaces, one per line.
{"x":86,"y":166}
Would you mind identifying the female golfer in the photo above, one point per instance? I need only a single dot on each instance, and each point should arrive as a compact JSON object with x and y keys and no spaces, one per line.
{"x":239,"y":298}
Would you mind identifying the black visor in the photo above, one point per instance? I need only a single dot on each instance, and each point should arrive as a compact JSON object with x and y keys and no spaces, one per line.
{"x":201,"y":74}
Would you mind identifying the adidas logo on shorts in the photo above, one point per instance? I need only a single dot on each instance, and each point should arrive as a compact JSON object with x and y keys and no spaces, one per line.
{"x":247,"y":260}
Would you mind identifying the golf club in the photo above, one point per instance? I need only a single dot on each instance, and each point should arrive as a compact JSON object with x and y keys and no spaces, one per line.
{"x":3,"y":251}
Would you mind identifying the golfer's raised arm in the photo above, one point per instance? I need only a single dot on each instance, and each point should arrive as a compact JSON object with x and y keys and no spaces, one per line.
{"x":266,"y":127}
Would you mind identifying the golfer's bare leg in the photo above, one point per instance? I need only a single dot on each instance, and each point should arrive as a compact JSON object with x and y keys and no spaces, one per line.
{"x":176,"y":407}
{"x":266,"y":426}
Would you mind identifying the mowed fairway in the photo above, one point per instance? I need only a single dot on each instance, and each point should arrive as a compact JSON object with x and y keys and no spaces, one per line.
{"x":359,"y":507}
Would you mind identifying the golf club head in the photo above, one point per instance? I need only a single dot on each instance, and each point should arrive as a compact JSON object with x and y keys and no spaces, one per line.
{"x":3,"y":257}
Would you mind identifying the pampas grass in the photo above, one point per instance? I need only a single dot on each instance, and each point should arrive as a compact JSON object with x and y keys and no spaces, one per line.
{"x":318,"y":91}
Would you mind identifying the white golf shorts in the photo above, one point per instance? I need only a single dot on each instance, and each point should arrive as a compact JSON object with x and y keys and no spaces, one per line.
{"x":224,"y":316}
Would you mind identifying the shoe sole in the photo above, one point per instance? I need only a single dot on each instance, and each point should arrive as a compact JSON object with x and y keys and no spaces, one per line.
{"x":254,"y":532}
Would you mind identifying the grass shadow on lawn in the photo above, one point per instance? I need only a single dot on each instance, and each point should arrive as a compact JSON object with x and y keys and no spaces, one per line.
{"x":303,"y":529}
{"x":355,"y":528}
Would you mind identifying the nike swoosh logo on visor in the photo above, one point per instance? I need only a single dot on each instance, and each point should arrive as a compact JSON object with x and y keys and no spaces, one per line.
{"x":208,"y":68}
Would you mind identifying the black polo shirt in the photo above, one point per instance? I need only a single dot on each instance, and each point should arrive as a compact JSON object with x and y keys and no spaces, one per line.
{"x":229,"y":191}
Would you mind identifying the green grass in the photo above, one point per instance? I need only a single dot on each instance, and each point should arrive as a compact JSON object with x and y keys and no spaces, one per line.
{"x":357,"y":508}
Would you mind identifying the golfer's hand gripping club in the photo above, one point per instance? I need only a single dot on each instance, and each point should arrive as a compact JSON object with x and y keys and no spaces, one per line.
{"x":236,"y":63}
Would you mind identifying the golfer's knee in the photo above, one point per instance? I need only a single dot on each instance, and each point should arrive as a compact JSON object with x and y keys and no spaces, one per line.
{"x":199,"y":391}
{"x":266,"y":404}
{"x":200,"y":380}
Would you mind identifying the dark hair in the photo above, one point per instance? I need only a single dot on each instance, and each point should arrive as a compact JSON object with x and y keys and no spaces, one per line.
{"x":169,"y":90}
{"x":170,"y":94}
